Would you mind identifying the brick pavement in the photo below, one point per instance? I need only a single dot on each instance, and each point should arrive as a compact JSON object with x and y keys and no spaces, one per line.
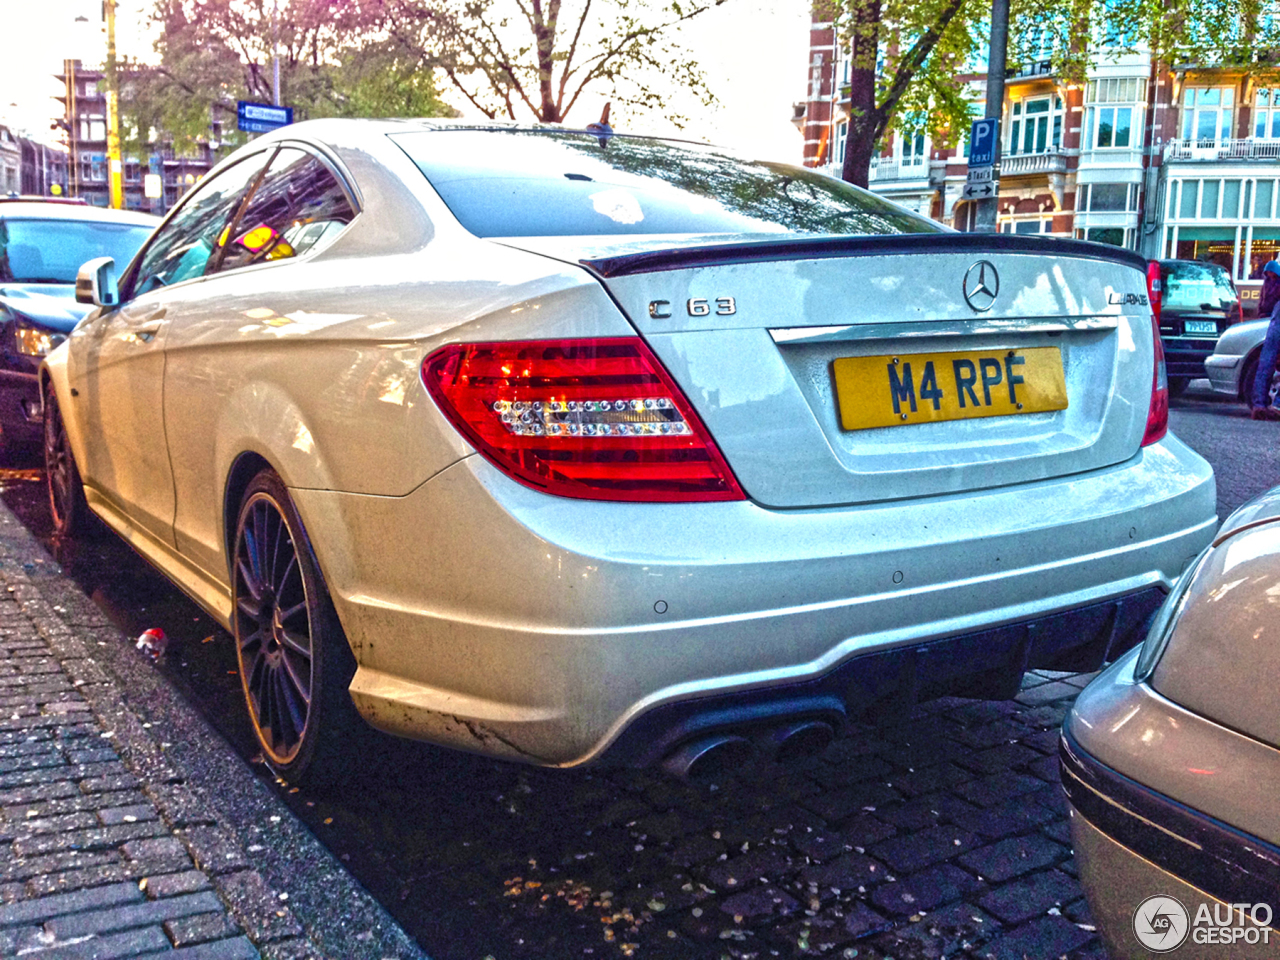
{"x":938,"y":834}
{"x":128,"y":826}
{"x":94,"y":862}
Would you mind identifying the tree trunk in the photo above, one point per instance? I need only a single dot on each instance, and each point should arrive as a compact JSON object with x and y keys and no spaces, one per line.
{"x":858,"y":151}
{"x":864,"y":117}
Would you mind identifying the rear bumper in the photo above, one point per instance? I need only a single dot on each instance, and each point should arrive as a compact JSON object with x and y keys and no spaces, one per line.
{"x":1186,"y":357}
{"x":1153,"y":820}
{"x":490,"y":617}
{"x":1223,"y":371}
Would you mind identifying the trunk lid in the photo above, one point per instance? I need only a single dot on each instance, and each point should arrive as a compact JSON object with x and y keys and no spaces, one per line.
{"x":752,"y":331}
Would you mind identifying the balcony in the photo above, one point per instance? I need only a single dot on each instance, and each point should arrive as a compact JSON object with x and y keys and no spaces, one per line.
{"x":891,"y":168}
{"x":1033,"y":163}
{"x":1217,"y":151}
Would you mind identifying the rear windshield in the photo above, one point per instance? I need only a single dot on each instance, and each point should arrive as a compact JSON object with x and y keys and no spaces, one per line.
{"x":552,"y":183}
{"x":1191,"y":284}
{"x":51,"y":251}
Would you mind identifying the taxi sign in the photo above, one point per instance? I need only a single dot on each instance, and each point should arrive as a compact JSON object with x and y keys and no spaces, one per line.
{"x":982,"y":142}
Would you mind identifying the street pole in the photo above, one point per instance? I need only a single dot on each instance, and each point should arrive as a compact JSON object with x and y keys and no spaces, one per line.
{"x":987,"y":207}
{"x":115,"y":165}
{"x":275,"y":53}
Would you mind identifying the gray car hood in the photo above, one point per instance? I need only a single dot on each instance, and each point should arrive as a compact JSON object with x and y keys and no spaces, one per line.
{"x":48,"y":304}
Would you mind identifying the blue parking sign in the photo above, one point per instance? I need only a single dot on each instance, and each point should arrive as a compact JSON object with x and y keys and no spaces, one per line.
{"x":982,"y":142}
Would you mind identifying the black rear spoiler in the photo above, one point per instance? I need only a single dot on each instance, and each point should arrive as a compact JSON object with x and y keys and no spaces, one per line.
{"x":815,"y":248}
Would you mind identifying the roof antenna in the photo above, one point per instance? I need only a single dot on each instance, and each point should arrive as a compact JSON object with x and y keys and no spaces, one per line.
{"x":602,"y":130}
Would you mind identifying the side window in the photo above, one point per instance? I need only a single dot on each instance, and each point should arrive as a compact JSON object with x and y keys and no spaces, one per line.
{"x":298,"y":207}
{"x":182,"y":247}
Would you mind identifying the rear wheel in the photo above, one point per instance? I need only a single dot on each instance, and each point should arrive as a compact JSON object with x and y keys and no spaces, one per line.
{"x":295,"y":664}
{"x":67,"y":504}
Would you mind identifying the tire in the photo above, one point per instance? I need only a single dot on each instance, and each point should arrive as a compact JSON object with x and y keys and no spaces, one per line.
{"x":1247,"y":377}
{"x":67,"y":505}
{"x":1178,"y":386}
{"x":295,"y":663}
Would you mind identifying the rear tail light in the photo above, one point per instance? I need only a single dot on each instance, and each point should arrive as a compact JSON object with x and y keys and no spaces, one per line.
{"x":596,"y":419}
{"x":1154,"y":289}
{"x":1158,"y":411}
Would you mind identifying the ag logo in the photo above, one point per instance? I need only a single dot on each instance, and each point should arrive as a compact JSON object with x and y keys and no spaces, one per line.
{"x":1161,"y":923}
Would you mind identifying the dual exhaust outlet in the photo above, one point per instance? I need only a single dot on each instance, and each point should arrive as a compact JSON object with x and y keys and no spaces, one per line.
{"x":714,"y":755}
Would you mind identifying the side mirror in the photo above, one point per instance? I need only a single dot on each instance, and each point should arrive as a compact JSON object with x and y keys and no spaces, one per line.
{"x":96,"y":283}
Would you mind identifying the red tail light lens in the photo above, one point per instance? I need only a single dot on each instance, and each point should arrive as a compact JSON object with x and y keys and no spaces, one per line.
{"x":1154,"y":288}
{"x":1158,"y":411}
{"x":596,"y":419}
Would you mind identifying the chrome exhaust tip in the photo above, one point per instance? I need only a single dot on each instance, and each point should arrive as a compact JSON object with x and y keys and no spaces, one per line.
{"x":709,"y":757}
{"x":799,"y":740}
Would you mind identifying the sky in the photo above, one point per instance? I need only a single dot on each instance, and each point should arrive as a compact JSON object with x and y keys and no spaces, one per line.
{"x":754,"y":53}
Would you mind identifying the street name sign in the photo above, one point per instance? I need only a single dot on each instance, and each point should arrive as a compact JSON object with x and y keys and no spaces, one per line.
{"x":982,"y":142}
{"x":261,"y":117}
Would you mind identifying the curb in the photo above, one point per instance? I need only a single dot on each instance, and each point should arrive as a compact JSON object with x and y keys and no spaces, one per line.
{"x":290,"y":895}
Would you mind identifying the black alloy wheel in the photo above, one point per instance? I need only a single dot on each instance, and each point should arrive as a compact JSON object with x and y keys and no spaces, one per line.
{"x":67,"y":504}
{"x":295,"y":664}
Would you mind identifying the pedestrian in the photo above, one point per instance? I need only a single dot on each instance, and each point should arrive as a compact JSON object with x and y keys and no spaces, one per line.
{"x":1268,"y":306}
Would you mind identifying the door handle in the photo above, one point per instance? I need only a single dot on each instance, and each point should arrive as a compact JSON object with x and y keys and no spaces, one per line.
{"x":147,"y":332}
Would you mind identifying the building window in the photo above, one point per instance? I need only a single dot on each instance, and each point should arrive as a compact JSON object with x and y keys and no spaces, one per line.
{"x":1114,"y":113}
{"x":1027,"y":225}
{"x":1112,"y":235}
{"x":1262,"y":199}
{"x":1266,"y":114}
{"x":911,"y":148}
{"x":132,"y":172}
{"x":1207,"y":114}
{"x":1107,"y":197}
{"x":93,"y":128}
{"x":837,"y":148}
{"x":1035,"y":126}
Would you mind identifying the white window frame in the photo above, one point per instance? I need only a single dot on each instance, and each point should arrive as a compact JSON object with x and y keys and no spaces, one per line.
{"x":1019,"y":110}
{"x":1266,"y":114}
{"x":1193,"y":109}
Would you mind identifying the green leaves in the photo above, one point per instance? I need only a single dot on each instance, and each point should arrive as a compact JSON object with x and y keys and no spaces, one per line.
{"x":924,"y":48}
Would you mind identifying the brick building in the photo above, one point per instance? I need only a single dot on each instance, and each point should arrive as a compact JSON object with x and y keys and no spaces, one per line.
{"x":85,"y":122}
{"x":1178,"y":162}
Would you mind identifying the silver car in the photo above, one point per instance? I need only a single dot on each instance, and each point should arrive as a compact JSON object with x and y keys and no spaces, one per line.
{"x":1233,"y":365}
{"x":1171,"y":762}
{"x":569,"y":447}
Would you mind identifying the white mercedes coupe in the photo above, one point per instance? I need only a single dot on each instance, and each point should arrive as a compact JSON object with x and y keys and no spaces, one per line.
{"x":572,"y":447}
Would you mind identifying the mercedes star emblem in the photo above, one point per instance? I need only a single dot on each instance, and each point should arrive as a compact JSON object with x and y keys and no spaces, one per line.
{"x":981,"y":284}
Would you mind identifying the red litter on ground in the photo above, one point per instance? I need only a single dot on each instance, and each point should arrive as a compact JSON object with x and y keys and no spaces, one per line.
{"x":152,"y":642}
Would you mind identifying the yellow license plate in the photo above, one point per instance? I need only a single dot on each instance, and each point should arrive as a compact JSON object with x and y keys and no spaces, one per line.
{"x":891,"y":391}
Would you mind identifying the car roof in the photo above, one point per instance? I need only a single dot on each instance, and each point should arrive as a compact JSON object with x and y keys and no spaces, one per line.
{"x":345,"y":129}
{"x":1198,"y":263}
{"x":39,"y":210}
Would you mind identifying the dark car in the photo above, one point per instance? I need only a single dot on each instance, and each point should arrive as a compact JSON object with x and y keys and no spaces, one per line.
{"x":42,"y":245}
{"x":1197,"y":303}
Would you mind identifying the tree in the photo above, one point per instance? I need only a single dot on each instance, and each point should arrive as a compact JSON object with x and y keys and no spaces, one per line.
{"x":909,"y":59}
{"x":538,"y":58}
{"x":212,"y":53}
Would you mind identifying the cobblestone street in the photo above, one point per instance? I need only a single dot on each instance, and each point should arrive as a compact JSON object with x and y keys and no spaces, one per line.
{"x":941,"y":836}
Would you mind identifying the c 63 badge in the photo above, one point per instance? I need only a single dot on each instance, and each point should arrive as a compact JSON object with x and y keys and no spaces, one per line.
{"x":695,"y":307}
